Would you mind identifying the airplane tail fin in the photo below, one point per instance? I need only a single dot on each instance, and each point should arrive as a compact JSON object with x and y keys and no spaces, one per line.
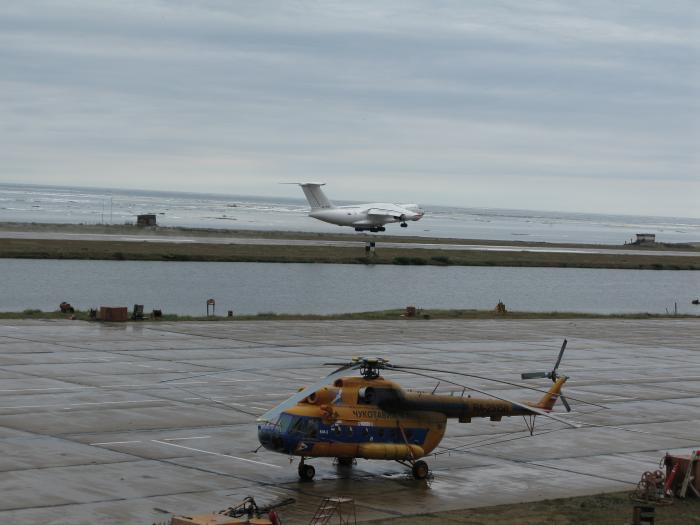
{"x":317,"y":199}
{"x":550,"y":398}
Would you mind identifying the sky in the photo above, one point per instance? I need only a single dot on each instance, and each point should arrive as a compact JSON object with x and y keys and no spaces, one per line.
{"x":589,"y":106}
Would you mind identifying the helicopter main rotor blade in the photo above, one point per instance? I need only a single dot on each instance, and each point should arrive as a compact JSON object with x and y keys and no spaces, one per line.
{"x":533,"y":375}
{"x":532,"y":409}
{"x":561,"y":354}
{"x":565,"y":402}
{"x":271,"y":415}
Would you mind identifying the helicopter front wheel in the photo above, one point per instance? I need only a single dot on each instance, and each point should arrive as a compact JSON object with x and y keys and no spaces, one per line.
{"x":306,"y":472}
{"x":420,"y":470}
{"x":345,"y":462}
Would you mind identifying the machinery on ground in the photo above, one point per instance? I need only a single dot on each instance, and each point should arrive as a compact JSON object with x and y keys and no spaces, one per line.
{"x":347,"y":416}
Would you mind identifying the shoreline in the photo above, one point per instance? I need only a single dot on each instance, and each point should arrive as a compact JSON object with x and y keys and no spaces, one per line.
{"x":661,"y":257}
{"x":380,"y":315}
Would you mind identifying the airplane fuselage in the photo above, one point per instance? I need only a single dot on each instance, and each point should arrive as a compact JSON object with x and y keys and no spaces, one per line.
{"x":375,"y":419}
{"x":367,"y":216}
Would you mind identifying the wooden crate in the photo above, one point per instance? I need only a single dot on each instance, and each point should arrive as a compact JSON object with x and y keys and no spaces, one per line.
{"x":686,"y":462}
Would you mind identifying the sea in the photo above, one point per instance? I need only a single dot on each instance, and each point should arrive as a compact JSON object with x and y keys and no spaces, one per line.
{"x":58,"y":204}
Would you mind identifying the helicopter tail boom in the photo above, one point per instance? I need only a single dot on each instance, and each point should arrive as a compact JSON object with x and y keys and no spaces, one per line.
{"x":550,"y":398}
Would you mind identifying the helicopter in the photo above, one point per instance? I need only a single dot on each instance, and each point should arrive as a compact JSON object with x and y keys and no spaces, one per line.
{"x":367,"y":416}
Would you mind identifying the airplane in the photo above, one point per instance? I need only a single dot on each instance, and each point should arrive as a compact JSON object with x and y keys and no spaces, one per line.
{"x":363,"y":217}
{"x":348,"y":417}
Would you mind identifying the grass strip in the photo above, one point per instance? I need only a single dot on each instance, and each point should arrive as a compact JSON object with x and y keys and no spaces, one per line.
{"x":600,"y":509}
{"x":386,"y":315}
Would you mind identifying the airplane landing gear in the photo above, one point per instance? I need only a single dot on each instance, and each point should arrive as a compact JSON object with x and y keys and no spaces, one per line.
{"x":404,"y":225}
{"x":420,"y":470}
{"x":306,"y":472}
{"x":345,"y":462}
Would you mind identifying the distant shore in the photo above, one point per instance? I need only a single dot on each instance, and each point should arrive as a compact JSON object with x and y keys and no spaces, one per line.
{"x":223,"y":252}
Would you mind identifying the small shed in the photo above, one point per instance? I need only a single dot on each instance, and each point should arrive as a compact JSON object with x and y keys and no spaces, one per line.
{"x":148,"y":219}
{"x":645,"y":238}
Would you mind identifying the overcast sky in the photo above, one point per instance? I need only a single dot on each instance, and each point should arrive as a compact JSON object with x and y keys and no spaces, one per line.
{"x":555,"y":105}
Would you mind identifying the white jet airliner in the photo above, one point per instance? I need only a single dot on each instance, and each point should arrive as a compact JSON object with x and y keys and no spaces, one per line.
{"x":363,"y":217}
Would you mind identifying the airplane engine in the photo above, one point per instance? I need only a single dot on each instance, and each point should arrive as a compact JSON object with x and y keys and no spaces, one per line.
{"x":390,"y":451}
{"x":324,"y":396}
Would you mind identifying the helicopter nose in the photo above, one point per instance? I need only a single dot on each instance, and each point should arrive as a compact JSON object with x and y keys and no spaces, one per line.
{"x":270,"y":438}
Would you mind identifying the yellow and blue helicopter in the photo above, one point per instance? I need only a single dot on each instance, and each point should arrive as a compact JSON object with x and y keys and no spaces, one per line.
{"x":367,"y":416}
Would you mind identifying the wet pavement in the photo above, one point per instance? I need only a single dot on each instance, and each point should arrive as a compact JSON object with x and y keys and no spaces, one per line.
{"x":194,"y":239}
{"x":129,"y":423}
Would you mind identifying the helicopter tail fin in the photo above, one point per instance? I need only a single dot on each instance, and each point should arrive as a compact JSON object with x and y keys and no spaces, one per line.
{"x":550,"y":398}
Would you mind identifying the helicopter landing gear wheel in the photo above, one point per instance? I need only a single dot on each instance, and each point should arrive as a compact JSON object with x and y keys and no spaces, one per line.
{"x":344,"y":462}
{"x":306,"y":472}
{"x":420,"y":470}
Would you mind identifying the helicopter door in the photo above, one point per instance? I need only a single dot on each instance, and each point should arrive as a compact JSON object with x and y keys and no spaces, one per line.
{"x":306,"y":427}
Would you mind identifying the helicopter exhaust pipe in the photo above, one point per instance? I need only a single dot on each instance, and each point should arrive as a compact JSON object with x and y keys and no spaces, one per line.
{"x":390,"y":451}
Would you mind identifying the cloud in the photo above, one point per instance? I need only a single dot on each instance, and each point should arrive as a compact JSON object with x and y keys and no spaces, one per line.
{"x":368,"y":96}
